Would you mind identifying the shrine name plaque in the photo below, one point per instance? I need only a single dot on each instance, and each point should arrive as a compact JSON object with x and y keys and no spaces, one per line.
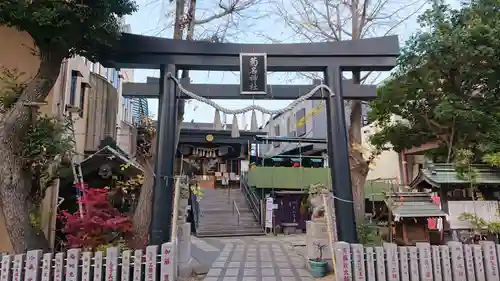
{"x":253,"y":74}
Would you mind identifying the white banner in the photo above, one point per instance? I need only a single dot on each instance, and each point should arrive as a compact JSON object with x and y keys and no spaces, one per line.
{"x":269,"y":212}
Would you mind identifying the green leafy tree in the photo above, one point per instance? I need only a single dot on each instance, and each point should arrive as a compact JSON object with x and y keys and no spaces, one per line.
{"x":446,"y":86}
{"x":60,"y":29}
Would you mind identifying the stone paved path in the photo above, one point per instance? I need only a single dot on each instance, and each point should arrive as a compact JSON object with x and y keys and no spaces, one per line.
{"x":202,"y":245}
{"x":257,"y":260}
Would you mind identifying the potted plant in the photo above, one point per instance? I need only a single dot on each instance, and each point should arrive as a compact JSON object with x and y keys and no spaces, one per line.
{"x":318,"y":265}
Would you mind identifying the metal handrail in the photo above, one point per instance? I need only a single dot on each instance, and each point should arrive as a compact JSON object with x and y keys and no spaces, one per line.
{"x":251,"y":197}
{"x":237,"y":211}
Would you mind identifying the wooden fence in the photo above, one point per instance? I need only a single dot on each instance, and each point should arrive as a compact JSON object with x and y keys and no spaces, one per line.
{"x":75,"y":265}
{"x":423,"y":262}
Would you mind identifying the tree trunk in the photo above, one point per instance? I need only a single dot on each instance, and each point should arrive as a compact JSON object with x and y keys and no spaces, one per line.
{"x":15,"y":183}
{"x":359,"y":167}
{"x":141,"y":220}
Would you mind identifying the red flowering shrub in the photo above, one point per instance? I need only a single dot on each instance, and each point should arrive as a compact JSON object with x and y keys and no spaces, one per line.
{"x":101,"y":223}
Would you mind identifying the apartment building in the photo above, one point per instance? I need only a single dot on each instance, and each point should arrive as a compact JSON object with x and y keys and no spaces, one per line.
{"x":307,"y":120}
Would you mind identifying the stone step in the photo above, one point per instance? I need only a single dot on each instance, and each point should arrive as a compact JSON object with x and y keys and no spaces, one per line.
{"x":218,"y":219}
{"x":225,"y":220}
{"x":232,"y":232}
{"x":231,"y":224}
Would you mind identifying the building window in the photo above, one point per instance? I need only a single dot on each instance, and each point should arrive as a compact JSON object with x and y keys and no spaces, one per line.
{"x":125,"y":109}
{"x":277,"y":134}
{"x":117,"y":79}
{"x":289,"y":126}
{"x":83,"y":88}
{"x":72,"y":91}
{"x":300,"y":117}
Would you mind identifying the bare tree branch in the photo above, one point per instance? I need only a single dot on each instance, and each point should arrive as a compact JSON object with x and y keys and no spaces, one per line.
{"x":336,"y":20}
{"x":235,"y":7}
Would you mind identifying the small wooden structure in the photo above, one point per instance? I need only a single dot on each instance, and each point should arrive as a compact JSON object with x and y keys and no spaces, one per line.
{"x":409,"y":212}
{"x":456,"y":195}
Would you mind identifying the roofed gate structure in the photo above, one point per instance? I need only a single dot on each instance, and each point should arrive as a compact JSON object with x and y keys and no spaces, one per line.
{"x":253,"y":61}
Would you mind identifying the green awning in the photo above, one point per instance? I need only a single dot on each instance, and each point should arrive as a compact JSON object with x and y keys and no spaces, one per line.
{"x":413,"y":205}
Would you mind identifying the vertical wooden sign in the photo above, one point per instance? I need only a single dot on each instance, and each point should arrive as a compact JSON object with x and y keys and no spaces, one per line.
{"x":370,"y":264}
{"x":403,"y":264}
{"x":73,"y":258}
{"x":457,"y":261}
{"x":32,"y":268}
{"x":47,"y":267}
{"x":111,"y":264}
{"x":491,"y":262}
{"x":151,"y":255}
{"x":343,"y":261}
{"x":167,"y":263}
{"x":137,"y":265}
{"x":436,"y":263}
{"x":358,"y":255}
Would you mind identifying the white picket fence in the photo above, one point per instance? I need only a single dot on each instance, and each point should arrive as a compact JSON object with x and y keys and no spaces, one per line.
{"x":452,"y":262}
{"x":75,"y":265}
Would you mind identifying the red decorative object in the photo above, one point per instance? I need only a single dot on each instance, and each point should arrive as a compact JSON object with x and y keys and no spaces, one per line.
{"x":432,"y":223}
{"x":101,"y":223}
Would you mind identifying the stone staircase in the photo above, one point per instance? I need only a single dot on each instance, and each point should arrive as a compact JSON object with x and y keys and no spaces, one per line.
{"x":217,"y":218}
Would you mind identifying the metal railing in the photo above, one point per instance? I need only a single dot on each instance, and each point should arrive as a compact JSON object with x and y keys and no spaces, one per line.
{"x":252,"y":199}
{"x":235,"y":207}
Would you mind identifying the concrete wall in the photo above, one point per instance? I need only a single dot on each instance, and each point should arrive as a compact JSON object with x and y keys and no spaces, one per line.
{"x":126,"y":137}
{"x":126,"y":132}
{"x":102,"y":112}
{"x":387,"y":164}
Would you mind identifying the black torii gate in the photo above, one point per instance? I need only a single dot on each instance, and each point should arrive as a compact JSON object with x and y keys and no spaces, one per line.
{"x":170,"y":56}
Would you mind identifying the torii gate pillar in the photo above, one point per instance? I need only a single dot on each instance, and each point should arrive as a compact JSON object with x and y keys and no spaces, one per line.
{"x":161,"y":221}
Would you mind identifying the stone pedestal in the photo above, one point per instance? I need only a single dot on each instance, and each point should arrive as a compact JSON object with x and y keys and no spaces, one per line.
{"x":184,"y":250}
{"x":182,"y":215}
{"x":317,"y":233}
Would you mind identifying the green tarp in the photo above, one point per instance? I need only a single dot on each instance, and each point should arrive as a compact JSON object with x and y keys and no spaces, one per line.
{"x":287,"y":178}
{"x":299,"y":178}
